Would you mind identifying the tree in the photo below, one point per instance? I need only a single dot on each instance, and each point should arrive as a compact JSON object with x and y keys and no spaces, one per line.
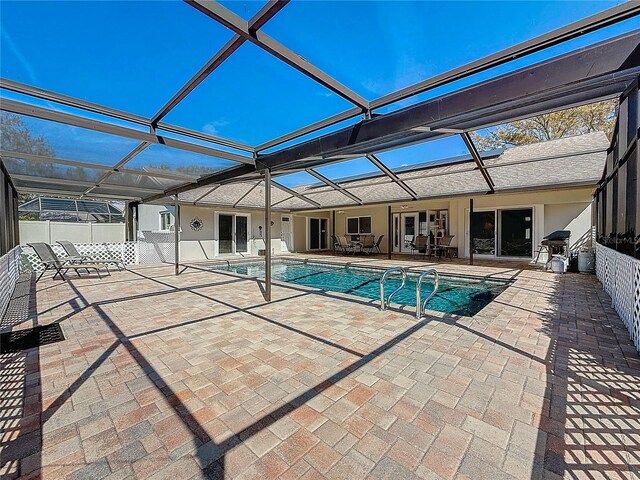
{"x":574,"y":121}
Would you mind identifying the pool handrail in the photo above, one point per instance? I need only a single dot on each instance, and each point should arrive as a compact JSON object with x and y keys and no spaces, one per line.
{"x":421,"y":306}
{"x":384,"y":303}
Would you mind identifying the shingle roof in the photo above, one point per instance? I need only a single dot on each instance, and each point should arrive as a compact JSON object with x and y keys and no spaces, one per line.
{"x":572,"y":160}
{"x":577,"y":160}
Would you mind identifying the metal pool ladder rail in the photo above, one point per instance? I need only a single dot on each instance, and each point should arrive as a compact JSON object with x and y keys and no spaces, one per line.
{"x":421,"y":306}
{"x":384,"y":303}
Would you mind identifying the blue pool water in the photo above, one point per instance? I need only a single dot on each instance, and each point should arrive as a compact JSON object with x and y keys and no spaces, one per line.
{"x":457,"y":295}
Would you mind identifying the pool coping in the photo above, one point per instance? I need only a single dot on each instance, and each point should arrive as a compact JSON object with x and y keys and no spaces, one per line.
{"x":394,"y":307}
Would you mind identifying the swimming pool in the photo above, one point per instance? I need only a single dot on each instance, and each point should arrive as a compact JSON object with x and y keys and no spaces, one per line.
{"x":457,"y":295}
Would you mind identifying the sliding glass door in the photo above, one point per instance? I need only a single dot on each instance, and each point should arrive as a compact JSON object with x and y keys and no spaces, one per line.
{"x":503,"y":232}
{"x":483,"y":229}
{"x":233,"y":234}
{"x":317,"y":234}
{"x":515,"y":233}
{"x":225,"y":234}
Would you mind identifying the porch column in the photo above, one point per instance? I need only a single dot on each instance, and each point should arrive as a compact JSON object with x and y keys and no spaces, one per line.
{"x":267,"y":235}
{"x":128,"y":221}
{"x":333,"y":231}
{"x":176,"y":229}
{"x":389,"y":232}
{"x":470,"y":232}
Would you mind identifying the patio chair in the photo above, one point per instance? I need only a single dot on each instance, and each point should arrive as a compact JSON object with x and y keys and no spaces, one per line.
{"x":349,"y":246}
{"x":377,"y":245}
{"x":367,"y":244}
{"x":338,"y":245}
{"x":421,"y":242}
{"x":75,"y":256}
{"x":445,"y":248}
{"x":51,"y":261}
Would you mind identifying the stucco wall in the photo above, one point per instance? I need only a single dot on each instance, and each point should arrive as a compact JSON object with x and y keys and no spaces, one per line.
{"x":378,"y":216}
{"x":566,"y":209}
{"x":203,"y":244}
{"x":301,"y":229}
{"x":575,"y":217}
{"x":149,"y":216}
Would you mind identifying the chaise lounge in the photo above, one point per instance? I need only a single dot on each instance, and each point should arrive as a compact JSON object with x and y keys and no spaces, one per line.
{"x":51,"y":261}
{"x":75,"y":256}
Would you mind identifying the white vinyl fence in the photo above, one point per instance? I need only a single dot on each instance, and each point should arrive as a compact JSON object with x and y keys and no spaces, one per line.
{"x":9,"y":271}
{"x":76,"y":232}
{"x":620,"y":278}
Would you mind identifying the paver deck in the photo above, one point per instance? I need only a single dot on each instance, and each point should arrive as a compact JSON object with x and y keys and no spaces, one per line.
{"x":195,"y":376}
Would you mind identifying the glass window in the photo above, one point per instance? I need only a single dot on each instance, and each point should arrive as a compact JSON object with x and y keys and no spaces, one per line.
{"x":358,"y":225}
{"x":166,"y":221}
{"x":483,"y":228}
{"x":352,"y":226}
{"x":365,"y":225}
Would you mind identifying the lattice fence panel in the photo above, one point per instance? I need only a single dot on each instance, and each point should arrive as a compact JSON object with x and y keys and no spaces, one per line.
{"x":9,"y":272}
{"x":634,"y":321}
{"x":127,"y":251}
{"x":156,"y":247}
{"x":620,"y":278}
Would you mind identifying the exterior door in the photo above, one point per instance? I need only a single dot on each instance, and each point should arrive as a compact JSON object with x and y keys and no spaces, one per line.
{"x":409,"y":230}
{"x":396,"y":232}
{"x":317,"y":234}
{"x":286,"y":237}
{"x":241,"y":233}
{"x":225,"y":234}
{"x":233,"y":234}
{"x":483,"y":229}
{"x":516,"y":233}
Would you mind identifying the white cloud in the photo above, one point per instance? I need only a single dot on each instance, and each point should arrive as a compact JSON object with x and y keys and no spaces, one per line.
{"x":212,"y":128}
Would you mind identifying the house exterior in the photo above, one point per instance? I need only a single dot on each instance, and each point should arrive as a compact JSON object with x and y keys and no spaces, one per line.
{"x":539,"y":189}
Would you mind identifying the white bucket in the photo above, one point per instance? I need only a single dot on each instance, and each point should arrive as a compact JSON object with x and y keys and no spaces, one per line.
{"x":558,"y":264}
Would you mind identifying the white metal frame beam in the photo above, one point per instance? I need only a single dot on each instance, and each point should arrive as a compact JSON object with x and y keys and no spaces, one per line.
{"x":95,"y":166}
{"x":293,"y":193}
{"x":466,"y":138}
{"x":242,"y":28}
{"x":20,"y":108}
{"x":389,"y":173}
{"x":108,"y":112}
{"x":258,"y":20}
{"x":581,"y":27}
{"x":334,"y":185}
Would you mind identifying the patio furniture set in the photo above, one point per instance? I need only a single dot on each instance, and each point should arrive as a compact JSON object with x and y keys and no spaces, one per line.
{"x":73,"y":260}
{"x":366,"y":244}
{"x":442,"y":246}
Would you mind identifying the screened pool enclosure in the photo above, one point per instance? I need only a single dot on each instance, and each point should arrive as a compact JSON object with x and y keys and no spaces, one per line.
{"x":156,"y":151}
{"x":70,"y":210}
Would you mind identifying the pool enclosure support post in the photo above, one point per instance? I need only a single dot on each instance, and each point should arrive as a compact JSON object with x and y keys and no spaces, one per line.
{"x":267,"y":235}
{"x":333,"y":230}
{"x":176,"y":231}
{"x":470,"y":232}
{"x":389,"y":231}
{"x":129,"y":221}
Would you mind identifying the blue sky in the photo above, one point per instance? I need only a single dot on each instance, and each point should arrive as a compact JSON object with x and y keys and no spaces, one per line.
{"x":135,"y":55}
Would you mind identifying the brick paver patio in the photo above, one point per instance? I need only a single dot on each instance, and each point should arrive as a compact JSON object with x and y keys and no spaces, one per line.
{"x":196,"y":377}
